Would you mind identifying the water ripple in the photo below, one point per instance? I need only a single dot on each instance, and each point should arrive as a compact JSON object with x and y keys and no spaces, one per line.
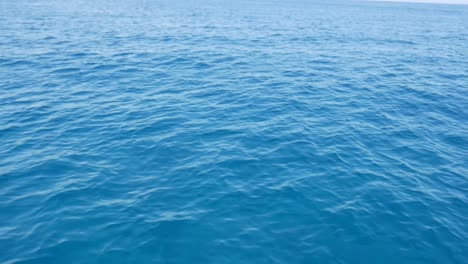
{"x":215,"y":132}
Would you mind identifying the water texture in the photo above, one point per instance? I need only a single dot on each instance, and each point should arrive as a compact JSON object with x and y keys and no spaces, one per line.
{"x":233,"y":132}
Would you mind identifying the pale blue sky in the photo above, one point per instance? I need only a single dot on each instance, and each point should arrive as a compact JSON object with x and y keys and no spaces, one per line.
{"x":431,"y":1}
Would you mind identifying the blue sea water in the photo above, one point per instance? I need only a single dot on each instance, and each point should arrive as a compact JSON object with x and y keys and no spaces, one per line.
{"x":219,"y":131}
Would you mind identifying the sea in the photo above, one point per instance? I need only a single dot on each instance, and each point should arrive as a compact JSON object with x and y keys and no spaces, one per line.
{"x":229,"y":132}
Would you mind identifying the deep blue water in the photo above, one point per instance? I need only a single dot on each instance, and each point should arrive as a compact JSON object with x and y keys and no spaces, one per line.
{"x":233,"y":132}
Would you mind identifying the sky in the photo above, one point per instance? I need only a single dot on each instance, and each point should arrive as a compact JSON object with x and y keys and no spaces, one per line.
{"x":433,"y":1}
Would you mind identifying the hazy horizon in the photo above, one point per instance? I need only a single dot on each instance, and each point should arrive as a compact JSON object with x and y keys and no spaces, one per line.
{"x":463,"y":2}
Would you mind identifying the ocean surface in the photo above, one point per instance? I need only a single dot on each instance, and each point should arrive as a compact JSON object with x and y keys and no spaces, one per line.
{"x":219,"y":131}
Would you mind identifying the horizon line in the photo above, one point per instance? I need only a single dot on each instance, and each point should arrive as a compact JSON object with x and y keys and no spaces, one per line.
{"x":423,"y":2}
